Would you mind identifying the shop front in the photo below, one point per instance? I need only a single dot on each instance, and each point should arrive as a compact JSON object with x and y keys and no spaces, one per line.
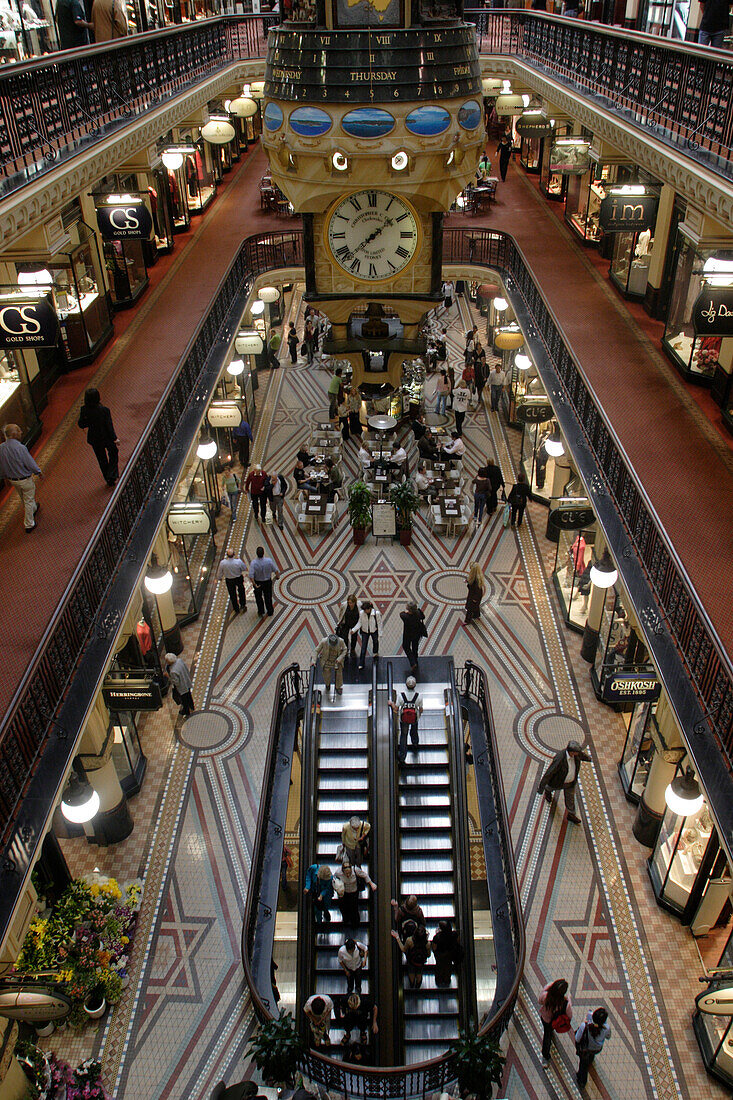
{"x":628,"y":215}
{"x":574,"y":521}
{"x":16,"y":399}
{"x":125,"y":223}
{"x":568,"y":158}
{"x":191,"y":548}
{"x":642,"y":740}
{"x":713,"y":1018}
{"x":586,"y":193}
{"x":536,"y":416}
{"x":697,"y":336}
{"x":197,"y":173}
{"x":620,"y":647}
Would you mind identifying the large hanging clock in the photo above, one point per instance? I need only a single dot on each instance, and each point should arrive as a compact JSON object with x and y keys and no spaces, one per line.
{"x":372,"y":235}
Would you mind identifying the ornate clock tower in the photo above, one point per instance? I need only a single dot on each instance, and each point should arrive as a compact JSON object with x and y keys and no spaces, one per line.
{"x":373,"y":122}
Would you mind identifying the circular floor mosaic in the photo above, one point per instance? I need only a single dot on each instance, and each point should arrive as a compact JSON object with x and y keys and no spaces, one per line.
{"x":555,"y":730}
{"x":205,"y":730}
{"x":449,"y":587}
{"x":311,"y":587}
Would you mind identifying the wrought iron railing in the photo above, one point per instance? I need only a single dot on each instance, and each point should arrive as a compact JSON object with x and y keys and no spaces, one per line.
{"x":25,"y":727}
{"x":680,"y":93}
{"x":54,"y":106}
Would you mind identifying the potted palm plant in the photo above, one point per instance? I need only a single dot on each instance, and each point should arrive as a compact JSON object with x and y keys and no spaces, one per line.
{"x":360,"y":510}
{"x":276,"y":1049}
{"x":405,"y":499}
{"x":478,"y":1063}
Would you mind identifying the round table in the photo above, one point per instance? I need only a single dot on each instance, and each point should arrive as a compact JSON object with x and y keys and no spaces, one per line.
{"x":382,"y":423}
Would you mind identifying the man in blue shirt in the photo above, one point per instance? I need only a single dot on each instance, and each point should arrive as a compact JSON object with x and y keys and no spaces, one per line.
{"x":18,"y":466}
{"x":242,"y":436}
{"x":261,"y":572}
{"x":71,"y":20}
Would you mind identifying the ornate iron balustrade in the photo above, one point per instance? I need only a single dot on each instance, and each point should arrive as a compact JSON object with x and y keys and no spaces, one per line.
{"x":707,"y":665}
{"x":681,"y":93}
{"x":25,"y":728}
{"x":53,"y":107}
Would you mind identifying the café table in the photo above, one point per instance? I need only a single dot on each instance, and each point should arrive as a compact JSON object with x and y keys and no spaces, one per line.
{"x":315,"y":509}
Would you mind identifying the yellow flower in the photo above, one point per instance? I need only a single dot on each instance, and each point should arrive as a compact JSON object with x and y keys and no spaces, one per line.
{"x":124,"y":939}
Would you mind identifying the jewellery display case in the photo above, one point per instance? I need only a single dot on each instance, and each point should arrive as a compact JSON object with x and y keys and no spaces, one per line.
{"x":683,"y":859}
{"x":126,"y":270}
{"x":696,"y":357}
{"x":530,"y":153}
{"x":586,"y":193}
{"x":409,"y":399}
{"x":639,"y":748}
{"x":16,"y":403}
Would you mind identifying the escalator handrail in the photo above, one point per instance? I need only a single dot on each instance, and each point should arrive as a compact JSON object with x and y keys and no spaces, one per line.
{"x":397,"y":992}
{"x":462,"y":872}
{"x":288,"y":688}
{"x":375,"y":870}
{"x":306,"y":942}
{"x":474,"y":686}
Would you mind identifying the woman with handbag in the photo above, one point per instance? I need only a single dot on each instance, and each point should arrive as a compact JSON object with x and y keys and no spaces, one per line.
{"x":347,"y":884}
{"x":348,"y":619}
{"x":589,"y":1040}
{"x":413,"y":631}
{"x":556,"y":1012}
{"x":476,"y":585}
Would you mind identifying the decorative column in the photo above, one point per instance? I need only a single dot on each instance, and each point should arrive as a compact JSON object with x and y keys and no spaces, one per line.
{"x":113,"y":821}
{"x":669,"y":752}
{"x":164,"y":602}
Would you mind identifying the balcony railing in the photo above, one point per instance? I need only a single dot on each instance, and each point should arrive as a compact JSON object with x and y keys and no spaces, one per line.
{"x":53,"y":107}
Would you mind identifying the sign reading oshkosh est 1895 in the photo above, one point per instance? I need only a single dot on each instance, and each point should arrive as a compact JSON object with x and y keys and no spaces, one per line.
{"x":712,"y":313}
{"x":625,"y":687}
{"x":126,"y":221}
{"x":28,"y":323}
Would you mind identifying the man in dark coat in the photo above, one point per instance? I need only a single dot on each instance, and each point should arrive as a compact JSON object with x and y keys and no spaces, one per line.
{"x":562,"y":774}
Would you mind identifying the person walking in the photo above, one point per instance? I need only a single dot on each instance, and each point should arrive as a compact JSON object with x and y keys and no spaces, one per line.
{"x":368,"y":626}
{"x":556,"y":1012}
{"x":309,"y":341}
{"x":261,"y":572}
{"x":589,"y":1040}
{"x":347,"y":882}
{"x":518,"y":497}
{"x":355,"y":840}
{"x":318,"y":1011}
{"x":413,"y":629}
{"x":234,"y":570}
{"x":447,"y":292}
{"x":180,"y":678}
{"x":342,"y":412}
{"x":334,"y":388}
{"x":496,"y":481}
{"x":330,"y":652}
{"x":276,"y":488}
{"x":355,"y":411}
{"x":481,"y":490}
{"x":461,"y":401}
{"x":714,"y":23}
{"x":109,"y":19}
{"x":71,"y":20}
{"x":476,"y":585}
{"x":273,"y":348}
{"x":255,"y":485}
{"x":480,"y":374}
{"x":319,"y":888}
{"x":496,"y":385}
{"x":231,"y":488}
{"x":416,"y":949}
{"x":408,"y":709}
{"x":504,"y":151}
{"x":101,"y":434}
{"x":447,"y":951}
{"x":242,"y":436}
{"x":562,"y":775}
{"x":442,"y":391}
{"x":19,"y":467}
{"x":348,"y":619}
{"x":352,"y":957}
{"x":293,"y":340}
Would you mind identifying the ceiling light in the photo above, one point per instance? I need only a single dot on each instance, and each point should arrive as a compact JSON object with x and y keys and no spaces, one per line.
{"x":257,"y":308}
{"x":158,"y":578}
{"x":556,"y":449}
{"x":400,"y":160}
{"x":79,"y":802}
{"x":207,"y":448}
{"x":683,"y":795}
{"x":604,"y":573}
{"x":236,"y":366}
{"x":522,"y":361}
{"x":500,"y":304}
{"x":340,"y":161}
{"x":172,"y":159}
{"x":42,"y":277}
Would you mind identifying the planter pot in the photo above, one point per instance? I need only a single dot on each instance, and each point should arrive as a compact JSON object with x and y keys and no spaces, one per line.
{"x":359,"y":535}
{"x":95,"y":1008}
{"x":405,"y":535}
{"x":43,"y":1030}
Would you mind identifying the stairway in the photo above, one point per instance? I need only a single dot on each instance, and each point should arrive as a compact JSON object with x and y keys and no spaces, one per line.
{"x":425,"y":817}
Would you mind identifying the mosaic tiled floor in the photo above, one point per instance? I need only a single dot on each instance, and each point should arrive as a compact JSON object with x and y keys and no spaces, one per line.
{"x":589,"y":913}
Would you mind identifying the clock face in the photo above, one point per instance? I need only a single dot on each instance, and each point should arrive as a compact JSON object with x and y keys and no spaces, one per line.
{"x":372,"y":235}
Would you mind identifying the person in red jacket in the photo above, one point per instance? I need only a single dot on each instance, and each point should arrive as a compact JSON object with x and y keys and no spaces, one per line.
{"x":255,"y":486}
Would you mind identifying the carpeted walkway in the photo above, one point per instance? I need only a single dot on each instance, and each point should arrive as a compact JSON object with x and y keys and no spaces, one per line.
{"x":131,"y":376}
{"x":684,"y":465}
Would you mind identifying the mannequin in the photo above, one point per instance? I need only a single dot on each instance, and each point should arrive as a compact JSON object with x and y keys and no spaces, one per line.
{"x":144,"y":637}
{"x":644,"y":243}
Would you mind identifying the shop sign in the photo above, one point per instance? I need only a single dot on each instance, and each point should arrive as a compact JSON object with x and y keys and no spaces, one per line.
{"x":224,"y":414}
{"x":628,"y":213}
{"x":27,"y":322}
{"x":125,"y":221}
{"x":712,"y":313}
{"x":572,"y":517}
{"x":189,"y":519}
{"x":533,"y":412}
{"x":570,"y":157}
{"x":32,"y":1003}
{"x":716,"y":1002}
{"x":132,"y":693}
{"x":631,"y":687}
{"x":534,"y":124}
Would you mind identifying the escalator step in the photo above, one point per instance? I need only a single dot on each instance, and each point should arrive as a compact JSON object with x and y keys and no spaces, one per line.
{"x":420,"y":1002}
{"x":427,"y":887}
{"x":338,"y":742}
{"x":430,"y":757}
{"x":326,"y":781}
{"x":416,"y":842}
{"x":432,"y":1029}
{"x":333,"y":804}
{"x":425,"y":863}
{"x":418,"y":798}
{"x":412,"y":775}
{"x":416,"y":819}
{"x":341,"y":761}
{"x":344,"y":721}
{"x":333,"y":940}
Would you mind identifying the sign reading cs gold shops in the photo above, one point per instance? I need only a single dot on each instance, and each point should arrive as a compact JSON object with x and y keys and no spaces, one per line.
{"x":27,"y":322}
{"x":125,"y":221}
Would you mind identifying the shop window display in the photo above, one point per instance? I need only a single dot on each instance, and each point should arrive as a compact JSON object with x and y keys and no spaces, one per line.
{"x":78,"y":292}
{"x":584,"y":197}
{"x":714,"y":1032}
{"x":572,"y":572}
{"x":128,"y":276}
{"x":553,"y":185}
{"x":176,"y":184}
{"x":696,"y":357}
{"x":409,"y":399}
{"x":27,"y":29}
{"x":530,"y":153}
{"x":630,"y":261}
{"x":127,"y":753}
{"x":619,"y":645}
{"x":677,"y":859}
{"x":639,"y":748}
{"x":538,"y":465}
{"x":16,"y":402}
{"x":191,"y":557}
{"x":199,"y":177}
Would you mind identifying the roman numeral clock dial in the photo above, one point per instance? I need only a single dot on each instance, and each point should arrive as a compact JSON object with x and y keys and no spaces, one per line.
{"x":372,"y":235}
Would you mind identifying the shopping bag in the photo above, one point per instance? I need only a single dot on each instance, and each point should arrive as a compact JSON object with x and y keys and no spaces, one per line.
{"x":506,"y":515}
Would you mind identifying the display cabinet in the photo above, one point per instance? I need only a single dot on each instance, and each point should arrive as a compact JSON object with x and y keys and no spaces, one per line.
{"x":571,"y":572}
{"x":126,"y":271}
{"x":177,"y":189}
{"x":198,"y":171}
{"x":16,"y":402}
{"x":682,"y":860}
{"x":530,"y":154}
{"x":537,"y":464}
{"x":127,"y":754}
{"x":714,"y":1029}
{"x":639,"y":748}
{"x":696,"y":357}
{"x":630,"y":259}
{"x":586,"y":193}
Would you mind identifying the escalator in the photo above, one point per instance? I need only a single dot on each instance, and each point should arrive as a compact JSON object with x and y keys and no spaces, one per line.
{"x":428,"y":851}
{"x":340,"y":759}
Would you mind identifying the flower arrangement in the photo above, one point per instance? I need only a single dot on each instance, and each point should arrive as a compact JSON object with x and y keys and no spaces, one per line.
{"x":50,"y":1078}
{"x":86,"y":939}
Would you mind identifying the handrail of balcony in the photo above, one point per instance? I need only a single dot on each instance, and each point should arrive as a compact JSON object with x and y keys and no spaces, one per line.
{"x":25,"y":727}
{"x":679,"y":92}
